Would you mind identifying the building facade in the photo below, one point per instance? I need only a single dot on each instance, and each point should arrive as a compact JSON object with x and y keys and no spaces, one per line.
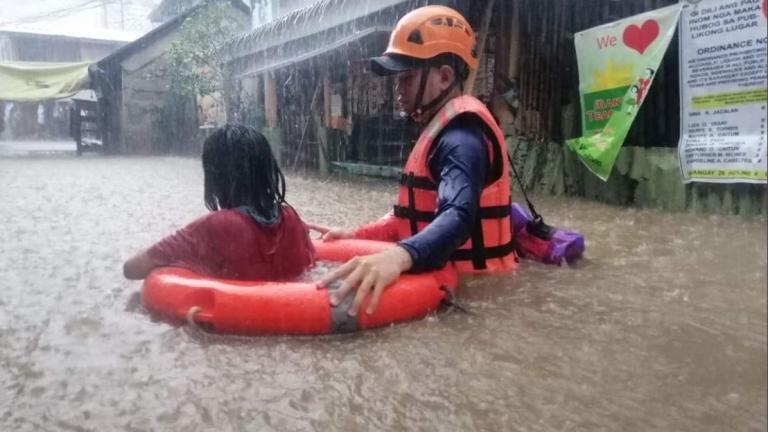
{"x":307,"y":73}
{"x":49,"y":119}
{"x":135,"y":89}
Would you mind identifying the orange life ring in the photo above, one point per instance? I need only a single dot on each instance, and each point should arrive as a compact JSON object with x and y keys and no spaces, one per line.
{"x":245,"y":307}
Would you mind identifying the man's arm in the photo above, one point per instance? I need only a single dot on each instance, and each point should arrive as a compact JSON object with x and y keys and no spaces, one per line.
{"x":463,"y":163}
{"x":461,"y":159}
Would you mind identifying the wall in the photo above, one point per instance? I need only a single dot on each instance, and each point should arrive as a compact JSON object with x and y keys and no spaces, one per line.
{"x":24,"y":123}
{"x":7,"y":51}
{"x":534,"y":49}
{"x":143,"y":95}
{"x":533,"y":45}
{"x":143,"y":129}
{"x":530,"y":50}
{"x":47,"y":49}
{"x":643,"y":176}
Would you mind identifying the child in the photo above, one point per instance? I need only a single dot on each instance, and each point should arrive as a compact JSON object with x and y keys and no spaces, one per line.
{"x":251,"y":233}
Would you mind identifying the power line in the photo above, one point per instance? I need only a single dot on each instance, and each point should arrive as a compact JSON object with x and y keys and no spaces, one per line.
{"x":59,"y":13}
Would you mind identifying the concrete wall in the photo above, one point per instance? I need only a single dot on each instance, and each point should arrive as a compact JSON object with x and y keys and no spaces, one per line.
{"x":150,"y":123}
{"x":149,"y":53}
{"x":143,"y":95}
{"x":47,"y":48}
{"x":7,"y":52}
{"x":642,"y":176}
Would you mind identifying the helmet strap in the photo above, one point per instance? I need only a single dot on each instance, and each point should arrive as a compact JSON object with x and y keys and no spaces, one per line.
{"x":417,"y":113}
{"x":421,"y":109}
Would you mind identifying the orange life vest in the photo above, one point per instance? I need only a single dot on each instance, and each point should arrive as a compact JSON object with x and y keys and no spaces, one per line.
{"x":490,"y":247}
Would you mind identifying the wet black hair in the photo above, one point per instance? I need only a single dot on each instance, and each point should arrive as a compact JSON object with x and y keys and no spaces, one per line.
{"x":241,"y":171}
{"x":460,"y":67}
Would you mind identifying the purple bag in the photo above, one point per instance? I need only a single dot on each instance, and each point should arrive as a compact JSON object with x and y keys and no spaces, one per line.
{"x":536,"y":240}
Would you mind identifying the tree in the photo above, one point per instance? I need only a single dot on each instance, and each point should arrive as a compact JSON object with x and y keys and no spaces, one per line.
{"x":196,"y":64}
{"x":195,"y":67}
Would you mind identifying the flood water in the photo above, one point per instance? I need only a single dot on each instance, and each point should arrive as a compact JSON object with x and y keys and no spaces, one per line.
{"x":661,"y":328}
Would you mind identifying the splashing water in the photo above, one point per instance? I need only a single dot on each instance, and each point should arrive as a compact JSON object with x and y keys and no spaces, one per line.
{"x":661,"y":327}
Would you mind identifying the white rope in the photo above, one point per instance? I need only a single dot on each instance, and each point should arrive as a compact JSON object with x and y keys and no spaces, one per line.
{"x":191,"y":316}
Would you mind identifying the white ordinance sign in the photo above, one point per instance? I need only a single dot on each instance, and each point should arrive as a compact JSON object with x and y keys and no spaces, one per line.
{"x":724,"y":91}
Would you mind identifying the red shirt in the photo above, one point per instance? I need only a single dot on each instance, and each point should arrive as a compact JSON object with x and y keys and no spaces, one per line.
{"x":231,"y":245}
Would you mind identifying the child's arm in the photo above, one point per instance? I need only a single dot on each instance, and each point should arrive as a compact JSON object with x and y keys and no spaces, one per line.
{"x":139,"y":266}
{"x":384,"y":229}
{"x":189,"y":247}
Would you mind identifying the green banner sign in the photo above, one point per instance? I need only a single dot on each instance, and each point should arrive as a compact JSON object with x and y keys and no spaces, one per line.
{"x":617,"y":64}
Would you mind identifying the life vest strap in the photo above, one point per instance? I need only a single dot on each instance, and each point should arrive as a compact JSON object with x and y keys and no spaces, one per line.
{"x":413,"y":214}
{"x":486,"y":253}
{"x":410,"y":179}
{"x":417,"y":182}
{"x":478,"y":246}
{"x":492,"y":212}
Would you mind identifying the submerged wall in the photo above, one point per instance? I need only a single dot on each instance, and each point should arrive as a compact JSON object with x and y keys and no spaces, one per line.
{"x":643,"y":176}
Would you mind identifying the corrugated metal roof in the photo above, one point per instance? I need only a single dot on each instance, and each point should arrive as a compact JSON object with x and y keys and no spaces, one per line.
{"x":317,"y":17}
{"x":156,"y":33}
{"x":97,"y":34}
{"x":273,"y":63}
{"x":168,"y":9}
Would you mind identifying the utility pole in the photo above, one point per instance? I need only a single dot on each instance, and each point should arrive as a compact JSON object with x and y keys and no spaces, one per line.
{"x":104,"y":20}
{"x":122,"y":15}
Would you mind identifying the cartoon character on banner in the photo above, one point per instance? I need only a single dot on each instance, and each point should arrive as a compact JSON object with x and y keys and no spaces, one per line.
{"x":639,"y":90}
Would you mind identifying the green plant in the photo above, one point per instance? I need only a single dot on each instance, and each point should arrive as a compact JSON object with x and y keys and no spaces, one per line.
{"x":194,"y":67}
{"x":195,"y":62}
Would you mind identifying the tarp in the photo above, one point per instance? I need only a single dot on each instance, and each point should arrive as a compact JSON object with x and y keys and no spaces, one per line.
{"x":617,"y":63}
{"x":38,"y":81}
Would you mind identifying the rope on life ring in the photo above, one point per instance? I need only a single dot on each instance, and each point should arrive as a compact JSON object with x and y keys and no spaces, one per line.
{"x":191,"y":316}
{"x":450,"y":301}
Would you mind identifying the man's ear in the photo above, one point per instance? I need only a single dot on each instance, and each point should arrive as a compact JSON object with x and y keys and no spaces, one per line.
{"x":447,"y":75}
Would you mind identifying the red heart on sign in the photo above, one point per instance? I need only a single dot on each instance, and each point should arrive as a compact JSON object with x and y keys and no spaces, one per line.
{"x":640,"y":38}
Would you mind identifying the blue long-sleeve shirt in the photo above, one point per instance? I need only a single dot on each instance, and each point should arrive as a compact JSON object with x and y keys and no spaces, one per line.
{"x":459,"y":164}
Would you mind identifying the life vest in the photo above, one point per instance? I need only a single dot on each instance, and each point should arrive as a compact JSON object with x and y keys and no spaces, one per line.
{"x":490,"y":248}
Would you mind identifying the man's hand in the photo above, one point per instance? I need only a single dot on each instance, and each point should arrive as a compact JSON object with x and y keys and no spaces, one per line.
{"x":368,"y":274}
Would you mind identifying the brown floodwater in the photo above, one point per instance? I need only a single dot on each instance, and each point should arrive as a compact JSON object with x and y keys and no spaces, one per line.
{"x":662,"y":327}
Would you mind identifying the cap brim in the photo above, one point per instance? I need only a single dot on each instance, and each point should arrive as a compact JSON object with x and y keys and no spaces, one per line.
{"x":392,"y":64}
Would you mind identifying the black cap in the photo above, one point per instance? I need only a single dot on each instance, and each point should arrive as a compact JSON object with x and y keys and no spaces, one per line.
{"x":390,"y":64}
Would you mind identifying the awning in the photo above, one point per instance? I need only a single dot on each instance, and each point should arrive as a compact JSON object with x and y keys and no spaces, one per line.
{"x":38,"y":81}
{"x":266,"y":63}
{"x":307,"y":22}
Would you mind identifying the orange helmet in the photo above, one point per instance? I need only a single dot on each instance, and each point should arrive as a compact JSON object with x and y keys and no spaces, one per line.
{"x":425,"y":33}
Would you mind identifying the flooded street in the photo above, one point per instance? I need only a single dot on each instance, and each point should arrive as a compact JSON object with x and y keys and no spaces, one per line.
{"x":661,"y":328}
